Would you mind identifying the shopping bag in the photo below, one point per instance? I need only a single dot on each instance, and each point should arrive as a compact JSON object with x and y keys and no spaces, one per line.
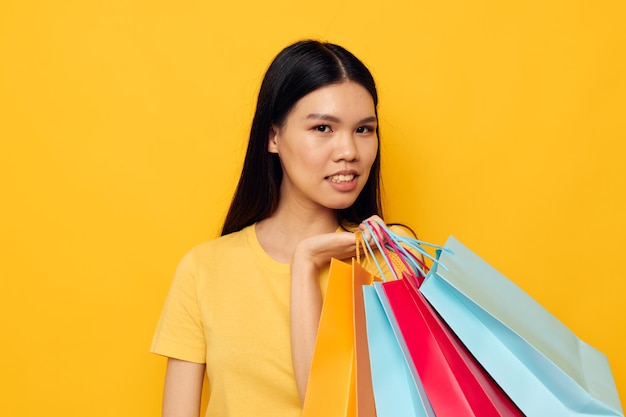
{"x":454,"y":383}
{"x":339,"y":381}
{"x":365,"y":404}
{"x":542,"y":365}
{"x":397,"y":393}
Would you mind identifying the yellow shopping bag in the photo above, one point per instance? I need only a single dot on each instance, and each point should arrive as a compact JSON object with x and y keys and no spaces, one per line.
{"x":340,"y":379}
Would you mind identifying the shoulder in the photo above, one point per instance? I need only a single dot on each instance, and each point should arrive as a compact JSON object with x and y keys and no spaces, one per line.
{"x":231,"y":241}
{"x":212,"y":251}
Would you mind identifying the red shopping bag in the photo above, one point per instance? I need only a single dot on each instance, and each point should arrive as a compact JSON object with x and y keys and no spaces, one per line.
{"x":456,"y":385}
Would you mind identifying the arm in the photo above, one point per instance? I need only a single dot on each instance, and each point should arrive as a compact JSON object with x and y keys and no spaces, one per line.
{"x":183,"y":388}
{"x":306,"y":306}
{"x":309,"y":257}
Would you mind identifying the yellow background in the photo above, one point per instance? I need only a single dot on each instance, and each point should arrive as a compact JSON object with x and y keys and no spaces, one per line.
{"x":123,"y":126}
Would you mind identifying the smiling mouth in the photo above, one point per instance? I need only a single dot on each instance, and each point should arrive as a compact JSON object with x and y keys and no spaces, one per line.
{"x":342,"y":178}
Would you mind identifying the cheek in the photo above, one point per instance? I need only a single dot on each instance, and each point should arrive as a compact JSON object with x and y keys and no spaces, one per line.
{"x":370,"y":153}
{"x":304,"y":161}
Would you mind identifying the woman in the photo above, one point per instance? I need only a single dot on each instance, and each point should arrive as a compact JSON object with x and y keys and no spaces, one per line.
{"x":245,"y":307}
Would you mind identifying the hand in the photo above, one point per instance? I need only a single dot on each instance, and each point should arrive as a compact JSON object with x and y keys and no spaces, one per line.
{"x":317,"y":251}
{"x":375,"y":223}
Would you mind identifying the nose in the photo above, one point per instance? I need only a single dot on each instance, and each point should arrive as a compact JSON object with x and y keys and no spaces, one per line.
{"x":346,"y":147}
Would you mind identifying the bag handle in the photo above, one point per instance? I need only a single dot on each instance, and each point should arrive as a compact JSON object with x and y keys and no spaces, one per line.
{"x":361,"y":245}
{"x":410,"y":261}
{"x":369,"y":252}
{"x":409,"y":251}
{"x":390,"y":252}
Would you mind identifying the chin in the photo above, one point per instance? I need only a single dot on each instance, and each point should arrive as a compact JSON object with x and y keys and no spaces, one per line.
{"x":341,"y":205}
{"x":341,"y":201}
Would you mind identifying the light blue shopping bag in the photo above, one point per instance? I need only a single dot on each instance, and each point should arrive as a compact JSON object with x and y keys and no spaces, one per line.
{"x":396,"y":392}
{"x":544,"y":367}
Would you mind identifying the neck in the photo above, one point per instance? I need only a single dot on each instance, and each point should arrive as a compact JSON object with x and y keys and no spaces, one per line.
{"x":282,"y":231}
{"x":300,"y":224}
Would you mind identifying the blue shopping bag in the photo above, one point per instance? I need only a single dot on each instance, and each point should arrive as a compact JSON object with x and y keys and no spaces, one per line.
{"x":396,"y":392}
{"x":541,"y":364}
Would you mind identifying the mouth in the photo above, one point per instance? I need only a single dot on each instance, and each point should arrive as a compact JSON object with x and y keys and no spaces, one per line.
{"x":341,"y":178}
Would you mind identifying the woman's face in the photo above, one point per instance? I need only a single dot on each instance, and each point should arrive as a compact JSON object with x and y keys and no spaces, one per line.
{"x":327,"y":146}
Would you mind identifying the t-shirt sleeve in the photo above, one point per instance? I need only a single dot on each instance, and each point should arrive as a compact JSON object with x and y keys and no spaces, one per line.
{"x":180,"y":332}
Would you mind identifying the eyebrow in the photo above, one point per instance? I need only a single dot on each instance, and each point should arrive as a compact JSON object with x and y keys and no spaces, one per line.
{"x":331,"y":118}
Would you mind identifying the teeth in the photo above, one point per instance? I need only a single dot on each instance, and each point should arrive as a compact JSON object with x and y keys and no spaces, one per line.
{"x":342,"y":178}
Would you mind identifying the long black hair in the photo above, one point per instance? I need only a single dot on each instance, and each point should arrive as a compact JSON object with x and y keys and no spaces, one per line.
{"x":296,"y":71}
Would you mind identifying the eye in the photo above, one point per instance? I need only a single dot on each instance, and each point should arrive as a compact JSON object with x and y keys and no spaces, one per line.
{"x":365,"y":129}
{"x":323,"y":128}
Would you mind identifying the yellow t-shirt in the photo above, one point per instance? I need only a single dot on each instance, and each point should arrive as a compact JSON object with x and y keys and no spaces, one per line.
{"x":229,"y":307}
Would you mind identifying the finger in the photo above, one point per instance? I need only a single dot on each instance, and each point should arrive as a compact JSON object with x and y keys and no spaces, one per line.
{"x":375,"y":222}
{"x":376,"y":219}
{"x":370,"y":236}
{"x":374,"y":225}
{"x":364,"y":229}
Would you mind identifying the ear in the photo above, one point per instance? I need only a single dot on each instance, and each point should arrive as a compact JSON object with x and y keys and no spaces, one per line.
{"x":272,"y":140}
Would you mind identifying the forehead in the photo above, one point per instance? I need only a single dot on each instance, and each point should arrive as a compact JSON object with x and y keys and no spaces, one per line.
{"x":347,"y":99}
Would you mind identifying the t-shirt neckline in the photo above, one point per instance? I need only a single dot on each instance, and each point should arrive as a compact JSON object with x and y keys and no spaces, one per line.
{"x":262,"y":256}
